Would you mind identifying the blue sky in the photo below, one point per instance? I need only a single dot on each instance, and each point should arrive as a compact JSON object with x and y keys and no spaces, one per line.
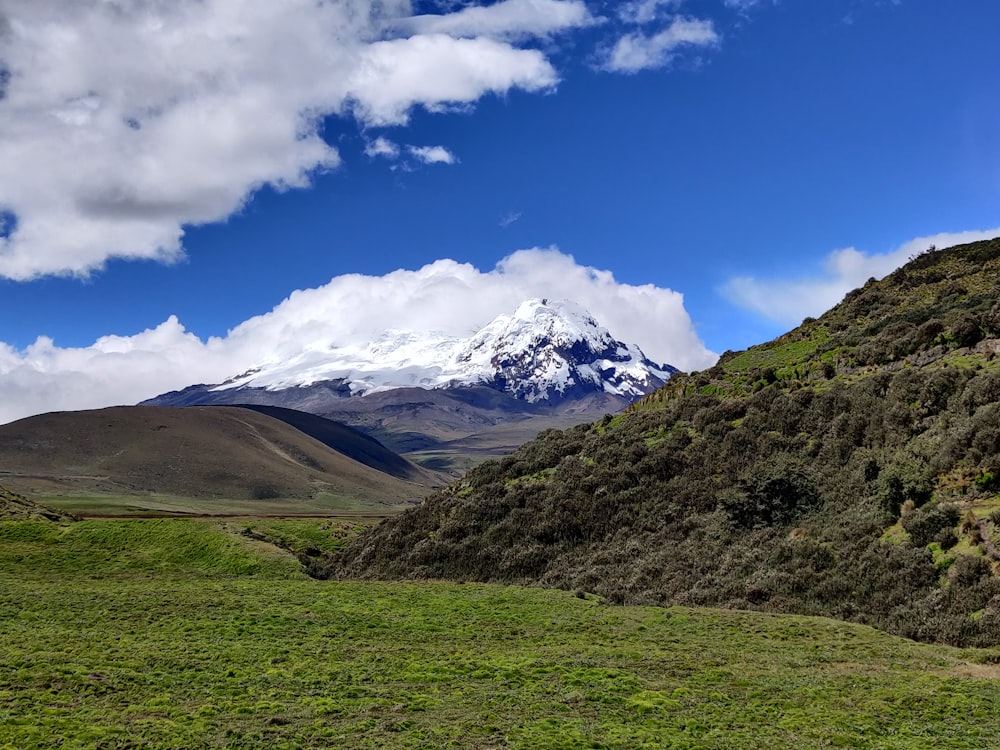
{"x":758,"y":158}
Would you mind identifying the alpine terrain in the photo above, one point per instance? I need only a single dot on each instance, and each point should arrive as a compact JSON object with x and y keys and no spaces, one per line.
{"x":549,"y":364}
{"x":850,"y":468}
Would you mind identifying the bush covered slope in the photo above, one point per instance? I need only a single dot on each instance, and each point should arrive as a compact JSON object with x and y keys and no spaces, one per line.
{"x":849,"y":468}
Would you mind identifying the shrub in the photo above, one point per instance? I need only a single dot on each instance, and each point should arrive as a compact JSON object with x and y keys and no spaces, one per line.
{"x":965,"y":331}
{"x":947,"y":538}
{"x":265,"y":492}
{"x":923,"y":524}
{"x":771,"y":496}
{"x":985,"y":480}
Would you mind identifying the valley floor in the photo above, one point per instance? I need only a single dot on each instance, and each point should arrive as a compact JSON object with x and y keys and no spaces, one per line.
{"x":170,"y":633}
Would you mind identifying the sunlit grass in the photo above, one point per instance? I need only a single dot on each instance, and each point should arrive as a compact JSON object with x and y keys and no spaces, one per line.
{"x":178,"y":634}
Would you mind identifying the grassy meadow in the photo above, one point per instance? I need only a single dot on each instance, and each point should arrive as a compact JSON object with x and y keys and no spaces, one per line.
{"x":160,"y":504}
{"x":183,"y":633}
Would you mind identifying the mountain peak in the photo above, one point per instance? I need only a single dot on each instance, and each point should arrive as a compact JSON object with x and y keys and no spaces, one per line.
{"x":550,"y":349}
{"x":546,"y":350}
{"x":561,"y":316}
{"x":542,"y":308}
{"x":540,"y":321}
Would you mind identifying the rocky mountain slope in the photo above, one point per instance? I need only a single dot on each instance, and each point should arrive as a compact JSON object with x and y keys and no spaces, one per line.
{"x":850,"y":468}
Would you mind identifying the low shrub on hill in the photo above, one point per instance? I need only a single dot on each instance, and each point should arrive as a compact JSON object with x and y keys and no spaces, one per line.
{"x":774,"y":501}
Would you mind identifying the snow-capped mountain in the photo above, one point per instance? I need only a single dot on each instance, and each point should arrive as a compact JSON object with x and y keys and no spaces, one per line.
{"x":546,"y":351}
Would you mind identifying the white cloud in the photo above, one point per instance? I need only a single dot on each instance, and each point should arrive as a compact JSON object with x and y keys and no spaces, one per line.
{"x":510,"y":18}
{"x":123,"y":122}
{"x":438,"y":71}
{"x":645,"y":11}
{"x":432,"y":154}
{"x":382,"y":147}
{"x":788,"y":301}
{"x":113,"y":370}
{"x":743,"y":7}
{"x":446,"y":296}
{"x":640,"y":51}
{"x":511,"y":217}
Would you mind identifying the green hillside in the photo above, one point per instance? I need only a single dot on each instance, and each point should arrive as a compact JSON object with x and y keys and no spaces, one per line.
{"x":942,"y":308}
{"x":849,"y":468}
{"x":185,"y":633}
{"x":14,"y":507}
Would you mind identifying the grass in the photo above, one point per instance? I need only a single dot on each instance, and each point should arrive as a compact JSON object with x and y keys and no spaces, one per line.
{"x":777,"y":355}
{"x":302,"y":535}
{"x":140,"y":549}
{"x":177,"y":633}
{"x":124,"y":505}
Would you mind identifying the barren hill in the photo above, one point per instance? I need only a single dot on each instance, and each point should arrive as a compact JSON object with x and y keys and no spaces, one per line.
{"x":346,"y":440}
{"x":200,"y":452}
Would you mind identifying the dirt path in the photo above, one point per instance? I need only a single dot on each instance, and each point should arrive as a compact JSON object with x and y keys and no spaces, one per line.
{"x":984,"y":534}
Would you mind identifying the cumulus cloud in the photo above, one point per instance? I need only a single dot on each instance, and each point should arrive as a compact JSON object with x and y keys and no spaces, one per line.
{"x":432,"y":154}
{"x":113,"y":370}
{"x":788,"y":301}
{"x":640,"y":51}
{"x":123,"y":122}
{"x":438,"y":71}
{"x":510,"y":18}
{"x":447,"y":296}
{"x":382,"y":147}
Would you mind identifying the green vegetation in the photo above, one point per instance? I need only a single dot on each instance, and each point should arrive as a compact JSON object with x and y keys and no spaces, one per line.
{"x":183,"y":633}
{"x":844,"y":469}
{"x":140,"y":548}
{"x":941,"y":309}
{"x":849,"y":469}
{"x":304,"y":536}
{"x":16,"y":507}
{"x":92,"y":504}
